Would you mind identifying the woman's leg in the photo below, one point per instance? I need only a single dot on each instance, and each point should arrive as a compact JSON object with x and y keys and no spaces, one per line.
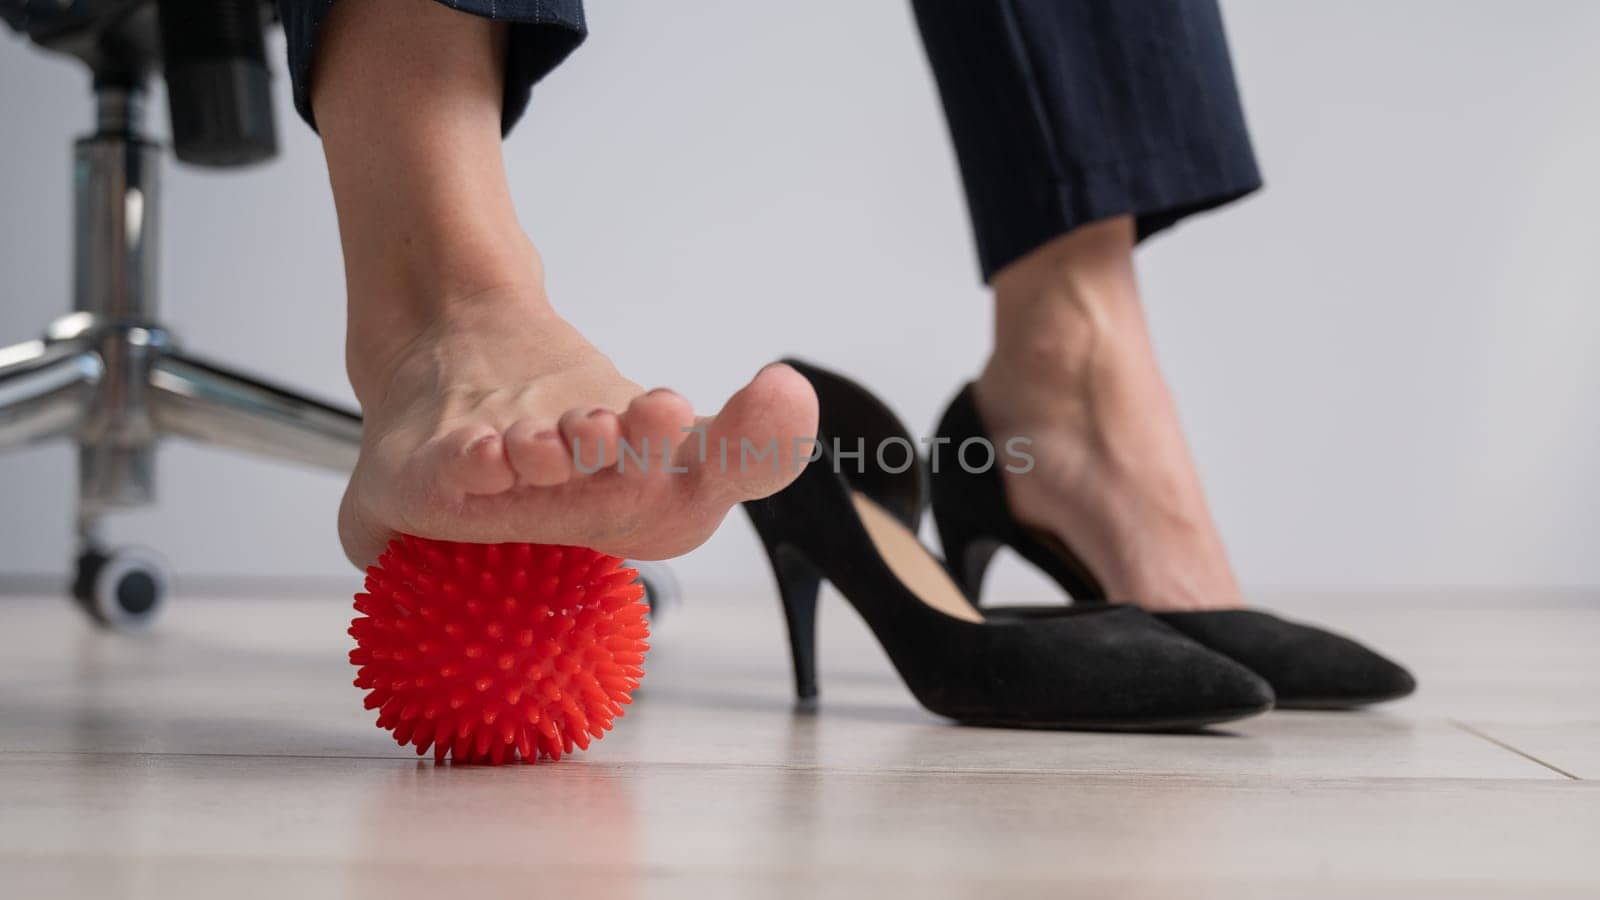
{"x":473,"y":388}
{"x":1082,"y":126}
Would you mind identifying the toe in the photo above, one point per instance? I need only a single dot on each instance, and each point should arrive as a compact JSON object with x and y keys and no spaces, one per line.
{"x":472,"y":460}
{"x":760,"y":440}
{"x":654,"y":426}
{"x":590,"y":435}
{"x":538,"y":454}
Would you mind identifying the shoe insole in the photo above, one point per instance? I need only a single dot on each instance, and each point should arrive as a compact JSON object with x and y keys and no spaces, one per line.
{"x":911,"y":562}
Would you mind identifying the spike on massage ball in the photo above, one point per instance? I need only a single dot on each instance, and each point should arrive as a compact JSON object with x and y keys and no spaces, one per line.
{"x":493,"y":653}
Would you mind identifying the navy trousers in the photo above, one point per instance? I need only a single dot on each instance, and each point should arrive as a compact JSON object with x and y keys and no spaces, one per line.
{"x":1062,"y":112}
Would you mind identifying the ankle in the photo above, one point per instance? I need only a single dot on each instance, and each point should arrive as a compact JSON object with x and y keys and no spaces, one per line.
{"x":1068,"y":315}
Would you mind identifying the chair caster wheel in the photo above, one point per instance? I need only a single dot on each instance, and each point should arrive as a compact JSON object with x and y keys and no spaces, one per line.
{"x":661,"y":589}
{"x":124,"y":589}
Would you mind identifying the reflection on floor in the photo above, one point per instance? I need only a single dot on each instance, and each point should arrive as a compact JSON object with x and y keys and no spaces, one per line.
{"x":227,"y":755}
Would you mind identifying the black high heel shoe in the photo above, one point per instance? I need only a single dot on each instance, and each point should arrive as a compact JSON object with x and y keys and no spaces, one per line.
{"x":1308,"y":667}
{"x":850,"y":518}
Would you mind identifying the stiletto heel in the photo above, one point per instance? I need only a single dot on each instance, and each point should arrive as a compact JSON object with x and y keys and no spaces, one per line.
{"x":854,"y":524}
{"x":967,"y":553}
{"x":799,"y":582}
{"x":974,"y":520}
{"x":1306,"y":666}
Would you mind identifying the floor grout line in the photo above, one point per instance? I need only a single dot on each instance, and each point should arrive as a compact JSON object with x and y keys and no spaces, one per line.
{"x":1505,"y":746}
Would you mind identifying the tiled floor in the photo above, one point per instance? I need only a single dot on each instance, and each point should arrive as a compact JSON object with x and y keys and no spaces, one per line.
{"x":227,"y":755}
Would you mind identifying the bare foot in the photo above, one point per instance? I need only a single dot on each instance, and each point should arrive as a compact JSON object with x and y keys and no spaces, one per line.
{"x":473,"y":389}
{"x":1074,"y":370}
{"x":471,"y":427}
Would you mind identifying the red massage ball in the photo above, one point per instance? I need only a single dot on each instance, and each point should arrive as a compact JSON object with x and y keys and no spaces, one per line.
{"x":492,"y":653}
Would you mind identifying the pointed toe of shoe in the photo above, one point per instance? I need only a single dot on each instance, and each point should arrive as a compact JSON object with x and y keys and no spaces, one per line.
{"x":1112,"y":669}
{"x":1211,"y":686}
{"x":1350,"y":675}
{"x":1308,"y":667}
{"x":1181,"y":688}
{"x":1238,"y":689}
{"x":1388,"y":680}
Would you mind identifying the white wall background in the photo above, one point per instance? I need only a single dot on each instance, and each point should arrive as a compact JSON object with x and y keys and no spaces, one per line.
{"x":1386,"y":361}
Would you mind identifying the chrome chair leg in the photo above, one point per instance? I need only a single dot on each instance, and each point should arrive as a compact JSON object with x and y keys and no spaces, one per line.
{"x":209,"y":403}
{"x":44,"y":389}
